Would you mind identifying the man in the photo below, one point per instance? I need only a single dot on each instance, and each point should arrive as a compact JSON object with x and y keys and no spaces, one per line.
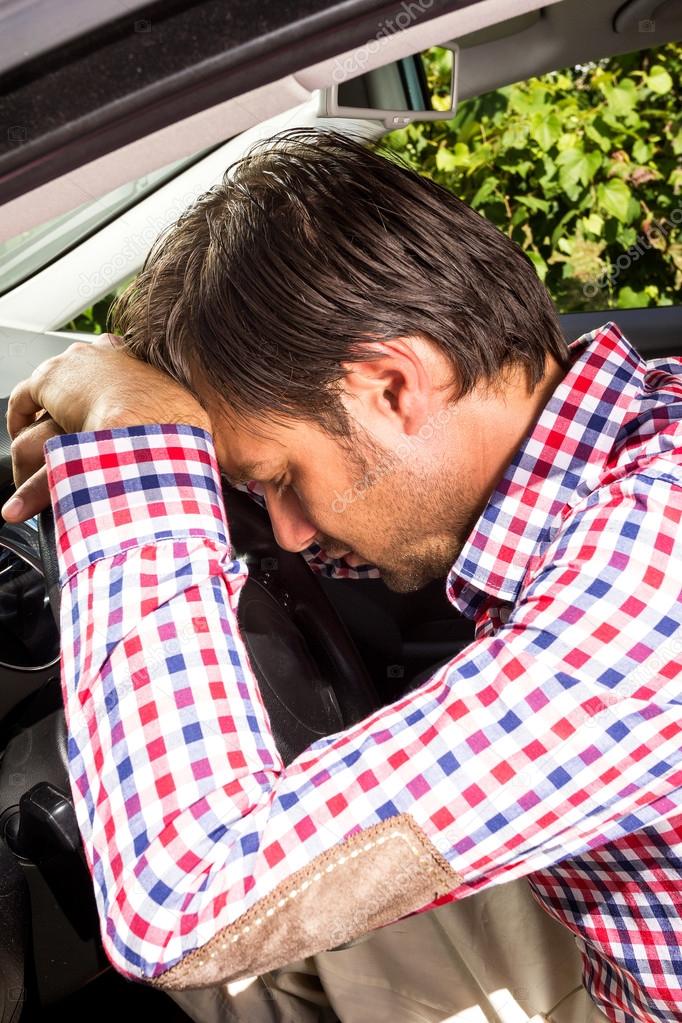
{"x":384,"y":368}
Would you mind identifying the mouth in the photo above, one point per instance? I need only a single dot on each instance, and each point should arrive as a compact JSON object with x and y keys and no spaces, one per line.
{"x":353,"y":559}
{"x":348,"y":556}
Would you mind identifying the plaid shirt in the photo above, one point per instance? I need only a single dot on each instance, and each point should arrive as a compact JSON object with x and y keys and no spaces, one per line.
{"x":549,"y":748}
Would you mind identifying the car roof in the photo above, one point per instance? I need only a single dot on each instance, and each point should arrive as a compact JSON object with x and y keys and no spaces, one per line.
{"x":122,"y":79}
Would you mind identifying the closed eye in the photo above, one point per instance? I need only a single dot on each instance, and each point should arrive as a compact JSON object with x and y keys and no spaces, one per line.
{"x":279,"y":485}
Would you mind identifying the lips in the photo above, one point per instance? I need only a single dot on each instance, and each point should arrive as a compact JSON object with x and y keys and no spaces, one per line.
{"x":348,"y":556}
{"x":353,"y":559}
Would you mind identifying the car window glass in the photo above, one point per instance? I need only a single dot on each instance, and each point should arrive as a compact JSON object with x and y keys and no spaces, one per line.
{"x":25,"y":254}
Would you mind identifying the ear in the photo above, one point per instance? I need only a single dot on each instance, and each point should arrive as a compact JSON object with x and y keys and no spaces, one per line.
{"x":393,"y":385}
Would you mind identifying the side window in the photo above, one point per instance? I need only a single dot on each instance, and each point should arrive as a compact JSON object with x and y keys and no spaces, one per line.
{"x":582,"y":167}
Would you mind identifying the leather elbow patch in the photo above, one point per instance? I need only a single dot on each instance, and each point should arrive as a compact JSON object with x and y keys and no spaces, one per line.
{"x":371,"y":879}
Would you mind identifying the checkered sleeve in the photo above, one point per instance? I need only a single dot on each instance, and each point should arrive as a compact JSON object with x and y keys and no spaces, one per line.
{"x":210,"y":859}
{"x":317,"y":558}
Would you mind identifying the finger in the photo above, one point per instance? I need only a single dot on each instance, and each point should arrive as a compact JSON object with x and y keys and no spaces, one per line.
{"x":108,"y":341}
{"x":27,"y":447}
{"x":55,"y":385}
{"x":29,"y":499}
{"x":21,"y":407}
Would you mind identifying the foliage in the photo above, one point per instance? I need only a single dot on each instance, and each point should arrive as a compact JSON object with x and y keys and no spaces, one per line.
{"x":581,"y":167}
{"x":94,"y":319}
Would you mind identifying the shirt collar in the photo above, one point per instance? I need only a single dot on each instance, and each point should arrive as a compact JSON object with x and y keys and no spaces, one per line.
{"x":562,"y":455}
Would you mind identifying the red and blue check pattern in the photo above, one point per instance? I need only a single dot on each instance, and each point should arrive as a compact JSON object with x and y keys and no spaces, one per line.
{"x":550,"y":747}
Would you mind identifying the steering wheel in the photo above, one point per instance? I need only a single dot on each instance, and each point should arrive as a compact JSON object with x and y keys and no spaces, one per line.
{"x":310,"y":675}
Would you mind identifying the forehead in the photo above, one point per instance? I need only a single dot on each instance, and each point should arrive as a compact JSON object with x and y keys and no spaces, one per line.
{"x":250,"y":450}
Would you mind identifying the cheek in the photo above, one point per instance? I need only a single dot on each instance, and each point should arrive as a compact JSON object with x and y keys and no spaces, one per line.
{"x":356,"y":513}
{"x":332,"y":511}
{"x":324,"y":494}
{"x":338,"y":497}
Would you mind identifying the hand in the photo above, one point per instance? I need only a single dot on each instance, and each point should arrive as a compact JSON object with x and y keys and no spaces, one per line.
{"x":90,"y":386}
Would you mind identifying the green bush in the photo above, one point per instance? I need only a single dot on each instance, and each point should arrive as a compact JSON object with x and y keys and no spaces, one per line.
{"x":581,"y":167}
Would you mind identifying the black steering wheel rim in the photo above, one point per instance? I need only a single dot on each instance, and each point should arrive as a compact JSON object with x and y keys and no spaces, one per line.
{"x":311,"y":677}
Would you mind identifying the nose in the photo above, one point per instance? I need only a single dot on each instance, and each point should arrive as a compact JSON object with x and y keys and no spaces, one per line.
{"x":293,"y":530}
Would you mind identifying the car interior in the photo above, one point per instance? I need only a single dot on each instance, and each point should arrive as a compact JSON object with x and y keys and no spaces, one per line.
{"x":77,"y":223}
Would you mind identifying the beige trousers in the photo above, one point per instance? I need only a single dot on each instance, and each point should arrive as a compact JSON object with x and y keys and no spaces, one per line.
{"x":495,"y":957}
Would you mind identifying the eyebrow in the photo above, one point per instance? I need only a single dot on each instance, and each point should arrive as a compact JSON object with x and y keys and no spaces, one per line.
{"x":244,"y":473}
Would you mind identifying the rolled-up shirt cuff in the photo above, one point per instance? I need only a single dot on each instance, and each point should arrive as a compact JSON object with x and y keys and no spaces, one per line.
{"x":123,"y":487}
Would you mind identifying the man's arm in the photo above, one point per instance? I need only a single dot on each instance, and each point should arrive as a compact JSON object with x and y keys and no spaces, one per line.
{"x":212,"y":860}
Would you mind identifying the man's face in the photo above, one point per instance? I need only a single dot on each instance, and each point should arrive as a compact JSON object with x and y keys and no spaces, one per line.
{"x":389,"y":507}
{"x":404,"y":492}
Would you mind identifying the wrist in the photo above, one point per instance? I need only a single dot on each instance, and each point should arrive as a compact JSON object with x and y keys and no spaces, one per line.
{"x":115,"y":418}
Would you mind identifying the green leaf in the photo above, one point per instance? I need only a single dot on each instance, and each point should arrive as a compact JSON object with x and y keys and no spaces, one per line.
{"x":594,"y":162}
{"x":632,"y":210}
{"x":515,"y":136}
{"x":560,"y":228}
{"x":546,"y":131}
{"x":523,"y":169}
{"x":659,"y":81}
{"x":479,"y":158}
{"x":594,"y":223}
{"x":397,"y":138}
{"x":550,"y":170}
{"x":621,"y":98}
{"x":630,"y":299}
{"x":483,"y":193}
{"x":614,"y":197}
{"x":540,"y":265}
{"x":577,"y":166}
{"x":448,"y":160}
{"x":675,"y":179}
{"x":528,"y":97}
{"x":519,"y":216}
{"x":640,"y":151}
{"x":532,"y":202}
{"x":627,"y":236}
{"x":604,"y":142}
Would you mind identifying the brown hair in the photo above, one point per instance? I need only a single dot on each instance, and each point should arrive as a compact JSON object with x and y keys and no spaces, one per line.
{"x":310,"y":247}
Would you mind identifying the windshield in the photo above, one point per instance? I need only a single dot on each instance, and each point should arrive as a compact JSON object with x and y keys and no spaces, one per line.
{"x":26,"y":253}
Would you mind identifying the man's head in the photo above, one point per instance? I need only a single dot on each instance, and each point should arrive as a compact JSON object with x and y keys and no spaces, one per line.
{"x":363,"y":334}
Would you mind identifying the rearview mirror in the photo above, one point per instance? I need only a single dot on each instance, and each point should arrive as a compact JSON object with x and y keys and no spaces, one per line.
{"x":422,"y":87}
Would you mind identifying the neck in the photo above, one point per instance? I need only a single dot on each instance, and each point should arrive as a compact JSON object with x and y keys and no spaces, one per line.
{"x":500,"y":424}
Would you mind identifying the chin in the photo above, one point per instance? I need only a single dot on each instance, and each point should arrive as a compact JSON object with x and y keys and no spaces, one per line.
{"x":405,"y":582}
{"x":415,"y":573}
